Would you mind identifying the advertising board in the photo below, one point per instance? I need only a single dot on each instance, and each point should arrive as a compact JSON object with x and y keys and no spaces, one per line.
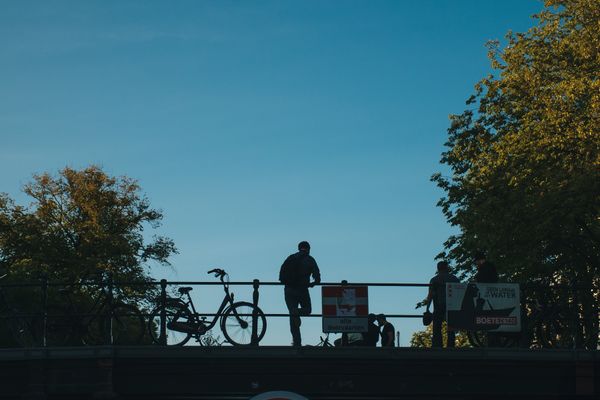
{"x":483,"y":306}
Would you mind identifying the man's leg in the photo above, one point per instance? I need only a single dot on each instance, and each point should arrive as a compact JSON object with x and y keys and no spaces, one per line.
{"x":436,"y":339}
{"x":451,"y":337}
{"x":291,"y":301}
{"x":303,"y":298}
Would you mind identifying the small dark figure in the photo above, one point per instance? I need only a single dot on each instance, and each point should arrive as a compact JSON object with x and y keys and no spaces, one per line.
{"x":295,"y":274}
{"x":437,"y":294}
{"x":372,"y":335}
{"x":486,"y":271}
{"x":387,"y":332}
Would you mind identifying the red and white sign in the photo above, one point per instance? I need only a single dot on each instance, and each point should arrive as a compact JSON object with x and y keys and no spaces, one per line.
{"x":345,"y":308}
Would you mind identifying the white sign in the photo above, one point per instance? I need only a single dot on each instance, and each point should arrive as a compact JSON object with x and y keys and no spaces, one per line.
{"x":345,"y":308}
{"x":483,"y":306}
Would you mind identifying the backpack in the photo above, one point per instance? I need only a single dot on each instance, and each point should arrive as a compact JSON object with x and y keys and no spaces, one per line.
{"x":291,"y":270}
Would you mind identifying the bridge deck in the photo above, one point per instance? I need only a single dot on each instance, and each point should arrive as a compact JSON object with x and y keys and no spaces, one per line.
{"x":317,"y":373}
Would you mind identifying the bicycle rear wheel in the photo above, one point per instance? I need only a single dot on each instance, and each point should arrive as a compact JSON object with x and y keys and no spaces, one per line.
{"x":236,"y":323}
{"x":21,"y":329}
{"x":126,"y":324}
{"x":178,"y":317}
{"x":59,"y":327}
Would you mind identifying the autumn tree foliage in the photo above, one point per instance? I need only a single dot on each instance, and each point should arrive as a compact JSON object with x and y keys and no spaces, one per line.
{"x":79,"y":223}
{"x":423,"y":339}
{"x":524,"y":157}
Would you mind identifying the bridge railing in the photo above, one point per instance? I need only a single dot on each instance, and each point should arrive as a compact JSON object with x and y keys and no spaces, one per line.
{"x":552,"y":316}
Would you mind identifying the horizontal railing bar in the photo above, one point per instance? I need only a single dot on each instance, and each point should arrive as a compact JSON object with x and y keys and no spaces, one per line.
{"x":271,"y":283}
{"x":74,"y":315}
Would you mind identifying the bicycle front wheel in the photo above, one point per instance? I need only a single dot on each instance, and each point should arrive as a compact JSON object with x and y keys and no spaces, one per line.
{"x":178,"y":319}
{"x":477,"y":338}
{"x":21,"y":328}
{"x":237,"y":323}
{"x":492,"y":339}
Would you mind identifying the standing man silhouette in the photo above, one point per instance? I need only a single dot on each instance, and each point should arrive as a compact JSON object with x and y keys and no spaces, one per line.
{"x":486,"y":271}
{"x":295,"y":274}
{"x":437,"y":294}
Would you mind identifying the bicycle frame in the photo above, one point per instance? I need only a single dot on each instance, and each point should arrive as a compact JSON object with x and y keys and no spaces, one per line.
{"x":227,"y":302}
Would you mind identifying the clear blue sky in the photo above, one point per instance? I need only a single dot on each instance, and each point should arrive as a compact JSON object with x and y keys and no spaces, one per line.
{"x":254,"y":125}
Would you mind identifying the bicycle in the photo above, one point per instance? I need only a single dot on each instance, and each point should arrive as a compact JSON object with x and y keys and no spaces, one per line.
{"x":106,"y":316}
{"x":544,"y":323}
{"x":182,"y":321}
{"x":552,"y":325}
{"x":19,"y":325}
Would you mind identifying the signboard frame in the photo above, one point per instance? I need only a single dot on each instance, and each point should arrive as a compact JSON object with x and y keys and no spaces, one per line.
{"x":345,"y":308}
{"x":494,"y":307}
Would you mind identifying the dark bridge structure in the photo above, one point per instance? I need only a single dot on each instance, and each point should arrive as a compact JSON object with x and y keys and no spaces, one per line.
{"x":555,"y":357}
{"x":195,"y":372}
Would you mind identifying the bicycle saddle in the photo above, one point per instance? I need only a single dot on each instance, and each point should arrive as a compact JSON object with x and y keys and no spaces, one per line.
{"x":185,"y":290}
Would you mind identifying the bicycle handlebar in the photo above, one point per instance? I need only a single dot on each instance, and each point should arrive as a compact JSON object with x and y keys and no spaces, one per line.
{"x":217,"y":271}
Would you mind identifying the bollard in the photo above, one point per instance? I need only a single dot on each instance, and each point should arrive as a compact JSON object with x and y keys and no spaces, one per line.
{"x":163,"y":312}
{"x":255,"y":296}
{"x":44,"y":308}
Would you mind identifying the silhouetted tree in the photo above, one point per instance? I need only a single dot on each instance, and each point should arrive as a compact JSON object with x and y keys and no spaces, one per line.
{"x":524,"y":158}
{"x":81,"y":223}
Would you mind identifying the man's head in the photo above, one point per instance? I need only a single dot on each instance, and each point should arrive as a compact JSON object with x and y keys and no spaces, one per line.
{"x":442,"y":266}
{"x":372,"y":318}
{"x":479,"y":258}
{"x":304,"y":246}
{"x":381,"y":319}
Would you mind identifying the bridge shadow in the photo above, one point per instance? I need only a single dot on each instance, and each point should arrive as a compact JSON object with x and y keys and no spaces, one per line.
{"x":152,"y":372}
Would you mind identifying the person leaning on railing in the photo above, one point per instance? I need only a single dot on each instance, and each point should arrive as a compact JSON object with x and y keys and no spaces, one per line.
{"x":295,"y":274}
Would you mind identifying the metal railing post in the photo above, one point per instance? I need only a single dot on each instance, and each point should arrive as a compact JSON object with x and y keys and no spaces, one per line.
{"x":344,"y":341}
{"x":163,"y":312}
{"x":575,"y":317}
{"x":44,"y":308}
{"x":255,"y":296}
{"x":109,"y":310}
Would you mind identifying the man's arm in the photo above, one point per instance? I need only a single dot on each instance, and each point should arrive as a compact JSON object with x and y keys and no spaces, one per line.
{"x":316,"y":274}
{"x":390,"y":336}
{"x":283,"y":267}
{"x":430,"y":294}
